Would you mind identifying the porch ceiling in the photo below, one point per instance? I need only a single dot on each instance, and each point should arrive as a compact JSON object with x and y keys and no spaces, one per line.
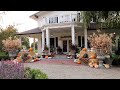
{"x":65,"y":30}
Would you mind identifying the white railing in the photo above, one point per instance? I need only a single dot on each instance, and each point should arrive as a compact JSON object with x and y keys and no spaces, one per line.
{"x":62,"y":19}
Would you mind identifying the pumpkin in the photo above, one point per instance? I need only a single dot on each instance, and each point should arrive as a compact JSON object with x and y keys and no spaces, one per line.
{"x":30,"y":49}
{"x":91,"y":66}
{"x":93,"y":57}
{"x":46,"y":57}
{"x":107,"y":65}
{"x":79,"y":62}
{"x":96,"y":66}
{"x":84,"y":49}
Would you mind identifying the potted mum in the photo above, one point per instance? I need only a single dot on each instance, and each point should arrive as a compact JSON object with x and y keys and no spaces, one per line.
{"x":102,"y":43}
{"x":73,"y":50}
{"x":46,"y":49}
{"x":12,"y":46}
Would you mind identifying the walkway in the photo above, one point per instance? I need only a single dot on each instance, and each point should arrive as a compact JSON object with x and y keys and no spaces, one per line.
{"x":64,"y":69}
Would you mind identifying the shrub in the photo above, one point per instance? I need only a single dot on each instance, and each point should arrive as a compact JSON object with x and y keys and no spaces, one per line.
{"x":4,"y":55}
{"x":34,"y":74}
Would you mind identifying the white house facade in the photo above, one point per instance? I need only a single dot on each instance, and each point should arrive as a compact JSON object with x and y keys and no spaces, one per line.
{"x":60,"y":28}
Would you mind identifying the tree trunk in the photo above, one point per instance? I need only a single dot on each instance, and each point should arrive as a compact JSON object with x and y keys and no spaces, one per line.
{"x":85,"y":28}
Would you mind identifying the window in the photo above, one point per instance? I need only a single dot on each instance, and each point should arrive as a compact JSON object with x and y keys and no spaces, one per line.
{"x":53,"y":20}
{"x":79,"y":41}
{"x":83,"y":42}
{"x":56,"y":41}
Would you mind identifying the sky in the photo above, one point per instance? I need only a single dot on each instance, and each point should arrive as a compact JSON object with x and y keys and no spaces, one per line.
{"x":19,"y":18}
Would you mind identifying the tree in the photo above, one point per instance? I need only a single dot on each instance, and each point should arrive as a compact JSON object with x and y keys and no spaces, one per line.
{"x":88,"y":16}
{"x":32,"y":45}
{"x":7,"y":32}
{"x":25,"y":42}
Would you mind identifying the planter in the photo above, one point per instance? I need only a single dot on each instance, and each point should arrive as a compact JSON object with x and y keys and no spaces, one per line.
{"x":100,"y":57}
{"x":13,"y":54}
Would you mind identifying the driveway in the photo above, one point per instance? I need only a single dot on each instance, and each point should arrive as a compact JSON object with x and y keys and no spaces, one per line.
{"x":70,"y":70}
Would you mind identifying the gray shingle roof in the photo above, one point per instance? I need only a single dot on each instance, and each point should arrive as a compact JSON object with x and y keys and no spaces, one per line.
{"x":31,"y":31}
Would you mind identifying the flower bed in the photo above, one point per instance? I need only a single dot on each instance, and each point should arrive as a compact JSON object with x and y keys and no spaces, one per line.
{"x":13,"y":70}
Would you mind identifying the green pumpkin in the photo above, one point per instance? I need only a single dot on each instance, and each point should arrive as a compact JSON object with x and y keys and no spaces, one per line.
{"x":85,"y":55}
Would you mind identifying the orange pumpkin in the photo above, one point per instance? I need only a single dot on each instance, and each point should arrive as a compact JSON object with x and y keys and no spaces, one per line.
{"x":84,"y":49}
{"x":46,"y":57}
{"x":93,"y":57}
{"x":79,"y":62}
{"x":30,"y":49}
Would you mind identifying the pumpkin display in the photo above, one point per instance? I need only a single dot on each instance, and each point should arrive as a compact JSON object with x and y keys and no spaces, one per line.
{"x":93,"y":63}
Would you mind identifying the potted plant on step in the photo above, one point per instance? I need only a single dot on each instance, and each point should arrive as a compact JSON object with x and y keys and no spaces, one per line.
{"x":59,"y":50}
{"x":46,"y":49}
{"x":73,"y":49}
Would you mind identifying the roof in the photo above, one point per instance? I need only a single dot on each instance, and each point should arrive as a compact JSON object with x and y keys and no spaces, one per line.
{"x":39,"y":13}
{"x":31,"y":31}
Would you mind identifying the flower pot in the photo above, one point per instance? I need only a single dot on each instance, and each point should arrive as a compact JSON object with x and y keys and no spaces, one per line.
{"x":100,"y":57}
{"x":13,"y":54}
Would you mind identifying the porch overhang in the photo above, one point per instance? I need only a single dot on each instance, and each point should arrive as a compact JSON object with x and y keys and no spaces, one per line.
{"x":30,"y":33}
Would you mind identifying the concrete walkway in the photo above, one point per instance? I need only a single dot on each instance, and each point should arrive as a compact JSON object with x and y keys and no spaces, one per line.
{"x":74,"y":71}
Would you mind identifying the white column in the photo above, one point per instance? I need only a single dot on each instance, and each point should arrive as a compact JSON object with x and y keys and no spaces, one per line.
{"x":39,"y":46}
{"x":73,"y":34}
{"x":85,"y":37}
{"x":47,"y":38}
{"x":43,"y":40}
{"x":34,"y":44}
{"x":67,"y":45}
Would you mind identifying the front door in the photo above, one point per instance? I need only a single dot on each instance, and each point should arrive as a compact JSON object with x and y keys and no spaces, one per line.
{"x":66,"y":45}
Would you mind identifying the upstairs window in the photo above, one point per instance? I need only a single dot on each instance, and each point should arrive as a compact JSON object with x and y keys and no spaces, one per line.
{"x":53,"y":20}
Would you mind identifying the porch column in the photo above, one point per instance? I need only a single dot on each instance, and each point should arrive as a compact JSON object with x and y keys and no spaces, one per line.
{"x":43,"y":40}
{"x":34,"y":44}
{"x":39,"y":46}
{"x":73,"y":34}
{"x":47,"y":38}
{"x":85,"y":35}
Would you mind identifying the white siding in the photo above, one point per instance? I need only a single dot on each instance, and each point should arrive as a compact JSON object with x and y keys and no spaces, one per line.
{"x":41,"y":20}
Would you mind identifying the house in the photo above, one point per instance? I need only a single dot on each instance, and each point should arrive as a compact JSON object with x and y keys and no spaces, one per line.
{"x":59,"y":28}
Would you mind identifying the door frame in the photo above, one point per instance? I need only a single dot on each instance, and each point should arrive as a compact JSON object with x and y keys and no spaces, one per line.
{"x":67,"y":44}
